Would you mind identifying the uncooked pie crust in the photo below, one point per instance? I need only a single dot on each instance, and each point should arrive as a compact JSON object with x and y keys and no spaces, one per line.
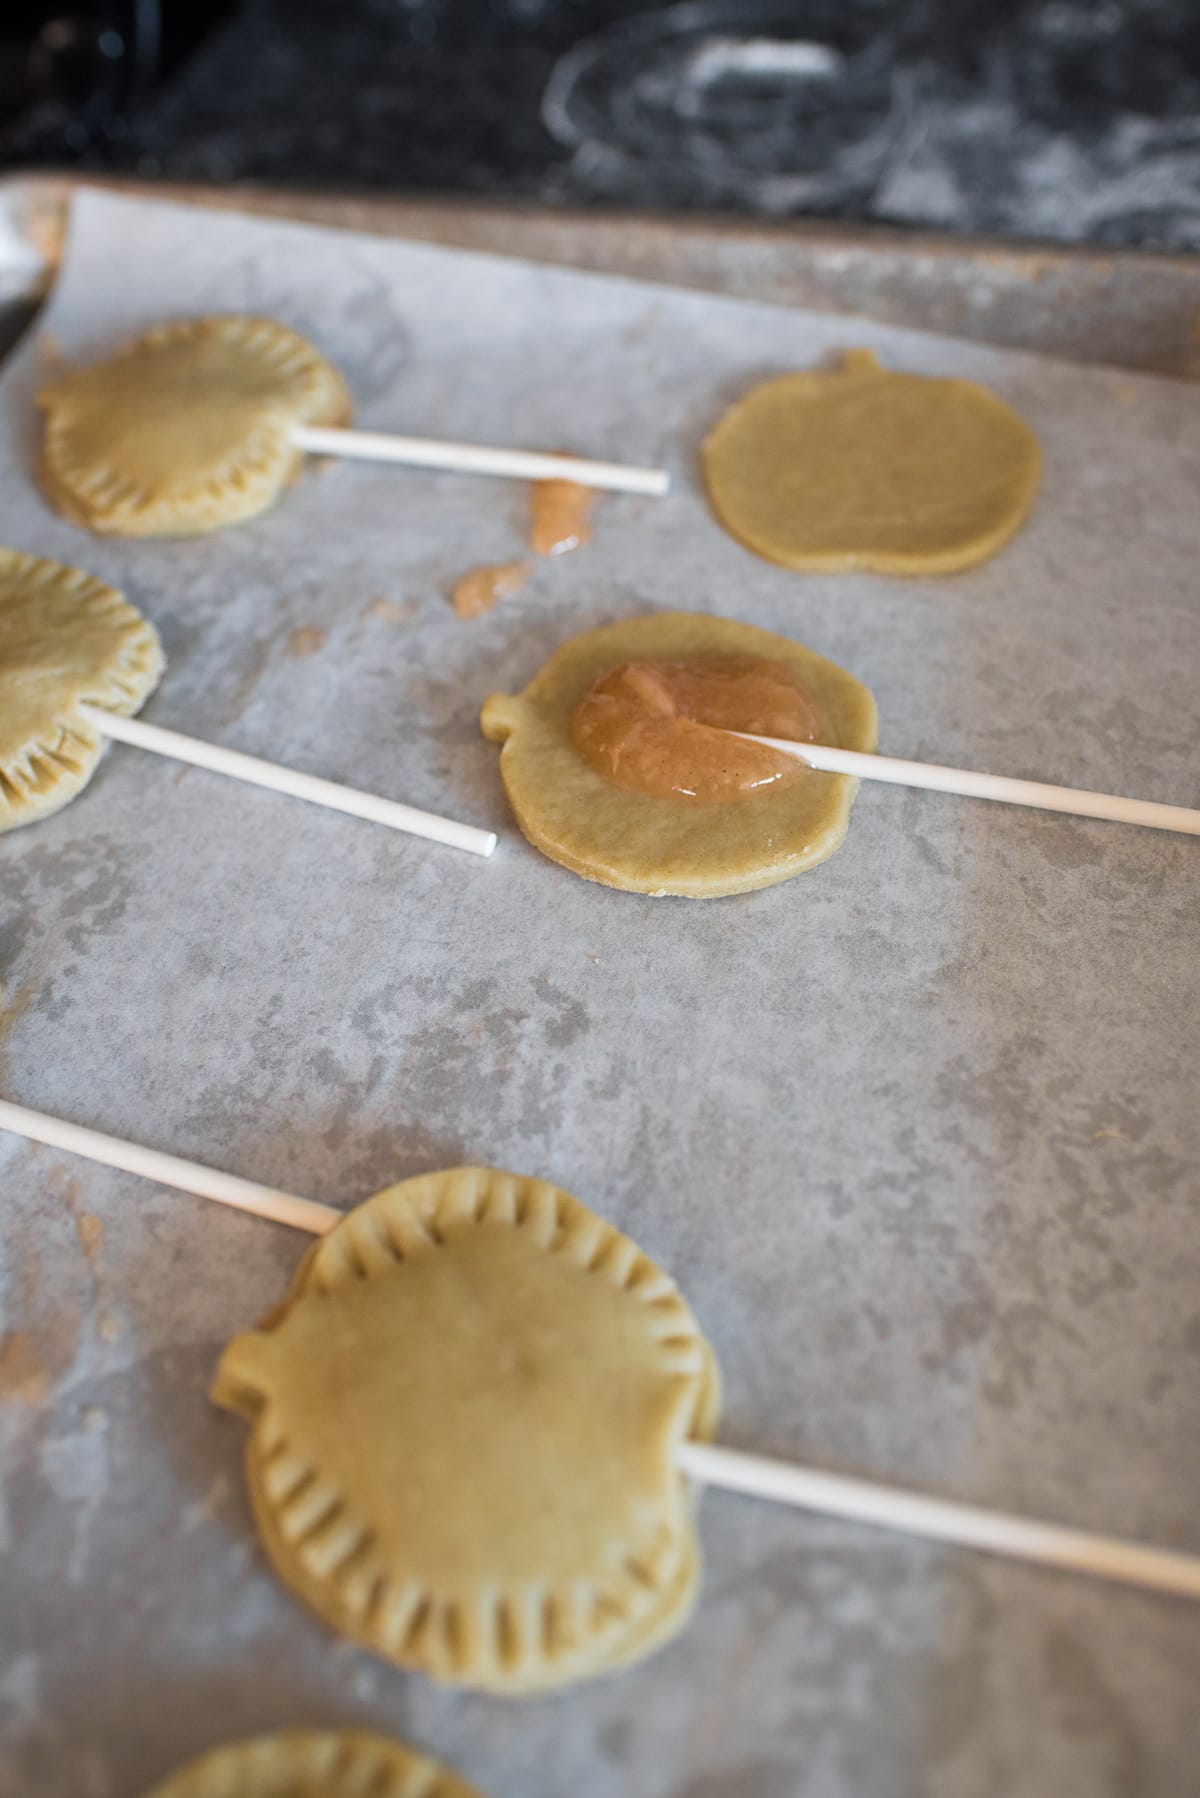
{"x":65,"y":637}
{"x":315,"y":1763}
{"x":573,"y":814}
{"x":464,"y":1424}
{"x":861,"y":467}
{"x":187,"y":429}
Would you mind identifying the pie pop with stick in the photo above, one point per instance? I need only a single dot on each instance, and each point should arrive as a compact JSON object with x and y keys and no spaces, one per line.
{"x":315,"y":1763}
{"x":476,"y":1419}
{"x":76,"y":659}
{"x":67,"y":641}
{"x":640,"y":756}
{"x":187,"y":429}
{"x":475,"y":1318}
{"x":616,"y":762}
{"x":201,"y":423}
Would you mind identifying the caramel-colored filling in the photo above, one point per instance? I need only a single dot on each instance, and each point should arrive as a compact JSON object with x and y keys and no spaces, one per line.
{"x":482,"y":588}
{"x":559,"y":517}
{"x":658,"y":727}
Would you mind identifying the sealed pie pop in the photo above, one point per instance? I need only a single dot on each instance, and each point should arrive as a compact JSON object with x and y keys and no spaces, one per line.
{"x":65,"y":639}
{"x":200,"y":424}
{"x":617,"y":762}
{"x":315,"y":1763}
{"x":864,"y":467}
{"x":186,"y":429}
{"x":76,"y":661}
{"x":464,"y":1427}
{"x":470,"y":1424}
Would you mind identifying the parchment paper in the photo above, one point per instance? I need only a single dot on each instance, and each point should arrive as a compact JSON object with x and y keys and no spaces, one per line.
{"x":917,"y":1131}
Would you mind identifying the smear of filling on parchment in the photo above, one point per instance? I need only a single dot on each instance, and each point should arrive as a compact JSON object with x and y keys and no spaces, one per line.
{"x":560,"y":522}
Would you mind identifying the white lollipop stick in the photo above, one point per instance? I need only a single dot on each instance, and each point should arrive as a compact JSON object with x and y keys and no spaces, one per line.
{"x":985,"y":786}
{"x":287,"y":780}
{"x":168,"y":1170}
{"x":471,"y":458}
{"x":833,"y":1495}
{"x":943,"y":1520}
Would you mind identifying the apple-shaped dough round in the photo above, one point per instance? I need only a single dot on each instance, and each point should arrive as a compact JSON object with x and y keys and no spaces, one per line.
{"x":861,"y":467}
{"x":644,"y":843}
{"x":465,"y":1420}
{"x":315,"y":1763}
{"x":186,"y":429}
{"x":65,"y":637}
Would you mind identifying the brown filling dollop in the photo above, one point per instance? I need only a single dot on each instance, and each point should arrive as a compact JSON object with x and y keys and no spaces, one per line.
{"x":482,"y":588}
{"x":656,"y":727}
{"x":559,"y":520}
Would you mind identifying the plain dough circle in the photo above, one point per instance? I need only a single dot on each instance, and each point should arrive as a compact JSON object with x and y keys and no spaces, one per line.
{"x":186,"y":429}
{"x":464,"y":1429}
{"x":642,"y":844}
{"x":862,"y":467}
{"x":65,"y":637}
{"x":314,"y":1763}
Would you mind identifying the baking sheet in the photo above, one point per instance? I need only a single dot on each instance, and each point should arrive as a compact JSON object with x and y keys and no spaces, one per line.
{"x":1089,"y":303}
{"x":917,"y":1132}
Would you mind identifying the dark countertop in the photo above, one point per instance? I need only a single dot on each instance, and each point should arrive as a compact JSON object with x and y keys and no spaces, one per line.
{"x":1075,"y":120}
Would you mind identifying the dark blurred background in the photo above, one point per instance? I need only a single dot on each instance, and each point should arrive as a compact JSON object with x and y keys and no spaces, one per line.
{"x":1062,"y":119}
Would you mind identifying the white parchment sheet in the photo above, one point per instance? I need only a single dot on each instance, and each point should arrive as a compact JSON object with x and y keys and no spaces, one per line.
{"x":917,"y":1131}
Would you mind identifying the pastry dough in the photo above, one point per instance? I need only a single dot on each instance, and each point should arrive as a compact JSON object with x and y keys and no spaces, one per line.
{"x":643,"y":844}
{"x":315,"y":1763}
{"x":861,"y":467}
{"x":187,"y":429}
{"x":64,"y":637}
{"x":465,"y":1418}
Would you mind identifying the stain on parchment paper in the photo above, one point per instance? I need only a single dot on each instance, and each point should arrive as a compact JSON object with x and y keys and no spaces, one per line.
{"x":39,"y":1341}
{"x":482,"y":588}
{"x":24,"y":1377}
{"x":14,"y":1003}
{"x":34,"y":1357}
{"x":54,"y":1291}
{"x":559,"y":524}
{"x":89,"y":1230}
{"x":394,"y":611}
{"x":308,"y":640}
{"x":560,"y":517}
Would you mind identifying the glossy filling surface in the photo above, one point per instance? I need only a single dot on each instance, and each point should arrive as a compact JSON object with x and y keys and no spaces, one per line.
{"x":482,"y":588}
{"x":658,"y":728}
{"x":560,"y":517}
